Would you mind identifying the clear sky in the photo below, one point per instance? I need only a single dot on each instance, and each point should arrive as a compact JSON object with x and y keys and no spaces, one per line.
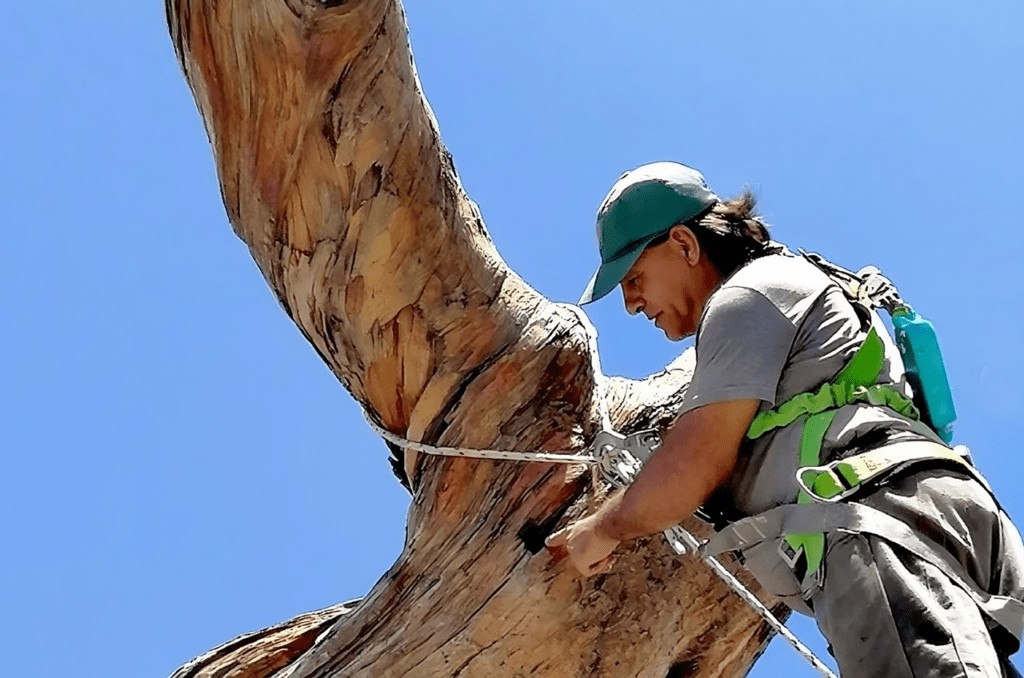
{"x":180,"y":468}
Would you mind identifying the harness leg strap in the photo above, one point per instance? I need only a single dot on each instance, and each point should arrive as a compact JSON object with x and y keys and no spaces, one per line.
{"x":801,"y":518}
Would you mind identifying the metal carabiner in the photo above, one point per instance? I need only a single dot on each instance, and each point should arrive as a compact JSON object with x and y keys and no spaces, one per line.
{"x":619,"y":459}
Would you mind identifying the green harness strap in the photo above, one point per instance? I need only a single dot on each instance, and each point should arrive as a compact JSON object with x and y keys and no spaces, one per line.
{"x":856,"y":383}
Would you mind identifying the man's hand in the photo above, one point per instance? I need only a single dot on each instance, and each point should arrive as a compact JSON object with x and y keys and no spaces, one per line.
{"x":698,"y":455}
{"x":588,"y":547}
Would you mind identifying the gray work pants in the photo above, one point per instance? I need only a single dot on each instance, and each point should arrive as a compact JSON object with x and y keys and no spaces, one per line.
{"x":888,"y":614}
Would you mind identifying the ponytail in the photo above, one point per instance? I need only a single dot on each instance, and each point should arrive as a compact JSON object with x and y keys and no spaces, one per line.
{"x":732,"y":234}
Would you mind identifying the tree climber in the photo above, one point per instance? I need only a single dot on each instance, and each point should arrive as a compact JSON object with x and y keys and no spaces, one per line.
{"x":800,"y":440}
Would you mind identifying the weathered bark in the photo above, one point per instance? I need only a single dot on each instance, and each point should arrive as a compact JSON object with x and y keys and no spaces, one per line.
{"x":333,"y":173}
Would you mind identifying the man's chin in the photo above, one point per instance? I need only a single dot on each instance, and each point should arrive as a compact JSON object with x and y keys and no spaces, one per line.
{"x":677,"y":335}
{"x":673,"y":336}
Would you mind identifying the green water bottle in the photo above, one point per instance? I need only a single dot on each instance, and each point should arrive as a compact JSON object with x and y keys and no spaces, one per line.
{"x":919,"y":345}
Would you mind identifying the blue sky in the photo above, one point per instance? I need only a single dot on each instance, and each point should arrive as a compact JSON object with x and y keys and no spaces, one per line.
{"x":180,"y":467}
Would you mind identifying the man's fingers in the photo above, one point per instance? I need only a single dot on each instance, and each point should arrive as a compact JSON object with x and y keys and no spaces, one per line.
{"x":557,"y":544}
{"x":601,"y":566}
{"x":556,"y":540}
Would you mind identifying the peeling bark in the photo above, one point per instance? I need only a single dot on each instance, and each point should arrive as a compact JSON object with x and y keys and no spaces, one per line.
{"x":333,"y":173}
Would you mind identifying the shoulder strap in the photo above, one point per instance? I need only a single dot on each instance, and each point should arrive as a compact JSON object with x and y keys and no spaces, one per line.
{"x":854,"y":383}
{"x":865,"y":288}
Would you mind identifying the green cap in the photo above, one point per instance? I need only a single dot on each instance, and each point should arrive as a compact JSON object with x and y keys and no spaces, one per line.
{"x":642,"y":205}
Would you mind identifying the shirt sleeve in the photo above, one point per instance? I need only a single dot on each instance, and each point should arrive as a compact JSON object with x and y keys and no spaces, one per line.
{"x":743,"y":343}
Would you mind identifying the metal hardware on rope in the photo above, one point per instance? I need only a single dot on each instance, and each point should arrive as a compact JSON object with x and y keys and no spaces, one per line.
{"x":619,"y":458}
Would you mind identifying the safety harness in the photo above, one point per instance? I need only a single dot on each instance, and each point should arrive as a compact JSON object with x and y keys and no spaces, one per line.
{"x":821,"y":505}
{"x":813,"y":412}
{"x":856,"y":383}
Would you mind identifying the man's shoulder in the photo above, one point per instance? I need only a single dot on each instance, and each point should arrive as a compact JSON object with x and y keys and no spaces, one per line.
{"x":789,"y":282}
{"x":778,"y":270}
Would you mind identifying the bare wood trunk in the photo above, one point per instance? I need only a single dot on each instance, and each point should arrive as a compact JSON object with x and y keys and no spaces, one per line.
{"x":333,"y":173}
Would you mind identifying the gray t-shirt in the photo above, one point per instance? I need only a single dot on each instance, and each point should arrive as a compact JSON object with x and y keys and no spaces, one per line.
{"x":778,"y":327}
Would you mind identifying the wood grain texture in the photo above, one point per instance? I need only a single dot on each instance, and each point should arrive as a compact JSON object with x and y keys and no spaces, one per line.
{"x":333,"y":173}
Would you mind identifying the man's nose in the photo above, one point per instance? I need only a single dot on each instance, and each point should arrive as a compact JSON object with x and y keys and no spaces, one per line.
{"x":634,"y":304}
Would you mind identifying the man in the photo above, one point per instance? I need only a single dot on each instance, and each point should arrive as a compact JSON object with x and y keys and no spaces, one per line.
{"x":910,"y":568}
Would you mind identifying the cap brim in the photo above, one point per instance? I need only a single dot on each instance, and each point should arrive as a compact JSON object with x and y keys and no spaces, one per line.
{"x":610,"y":274}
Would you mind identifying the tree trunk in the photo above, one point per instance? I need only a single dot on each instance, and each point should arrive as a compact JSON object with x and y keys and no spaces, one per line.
{"x":333,"y":173}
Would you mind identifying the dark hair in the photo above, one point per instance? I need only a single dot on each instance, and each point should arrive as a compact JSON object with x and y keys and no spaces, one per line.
{"x":730,"y":233}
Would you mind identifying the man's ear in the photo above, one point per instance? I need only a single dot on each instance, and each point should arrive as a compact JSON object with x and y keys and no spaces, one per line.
{"x":686,"y":243}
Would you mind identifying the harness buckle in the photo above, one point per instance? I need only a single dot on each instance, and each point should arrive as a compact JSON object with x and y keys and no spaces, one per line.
{"x":829,"y":471}
{"x":795,"y":559}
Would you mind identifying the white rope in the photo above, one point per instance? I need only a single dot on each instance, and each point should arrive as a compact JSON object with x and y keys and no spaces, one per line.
{"x":689,"y":540}
{"x":678,"y":538}
{"x":505,"y":455}
{"x":748,"y":596}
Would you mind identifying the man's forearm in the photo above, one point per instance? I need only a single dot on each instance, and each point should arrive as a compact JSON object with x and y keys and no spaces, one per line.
{"x":690,"y":464}
{"x":659,"y":498}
